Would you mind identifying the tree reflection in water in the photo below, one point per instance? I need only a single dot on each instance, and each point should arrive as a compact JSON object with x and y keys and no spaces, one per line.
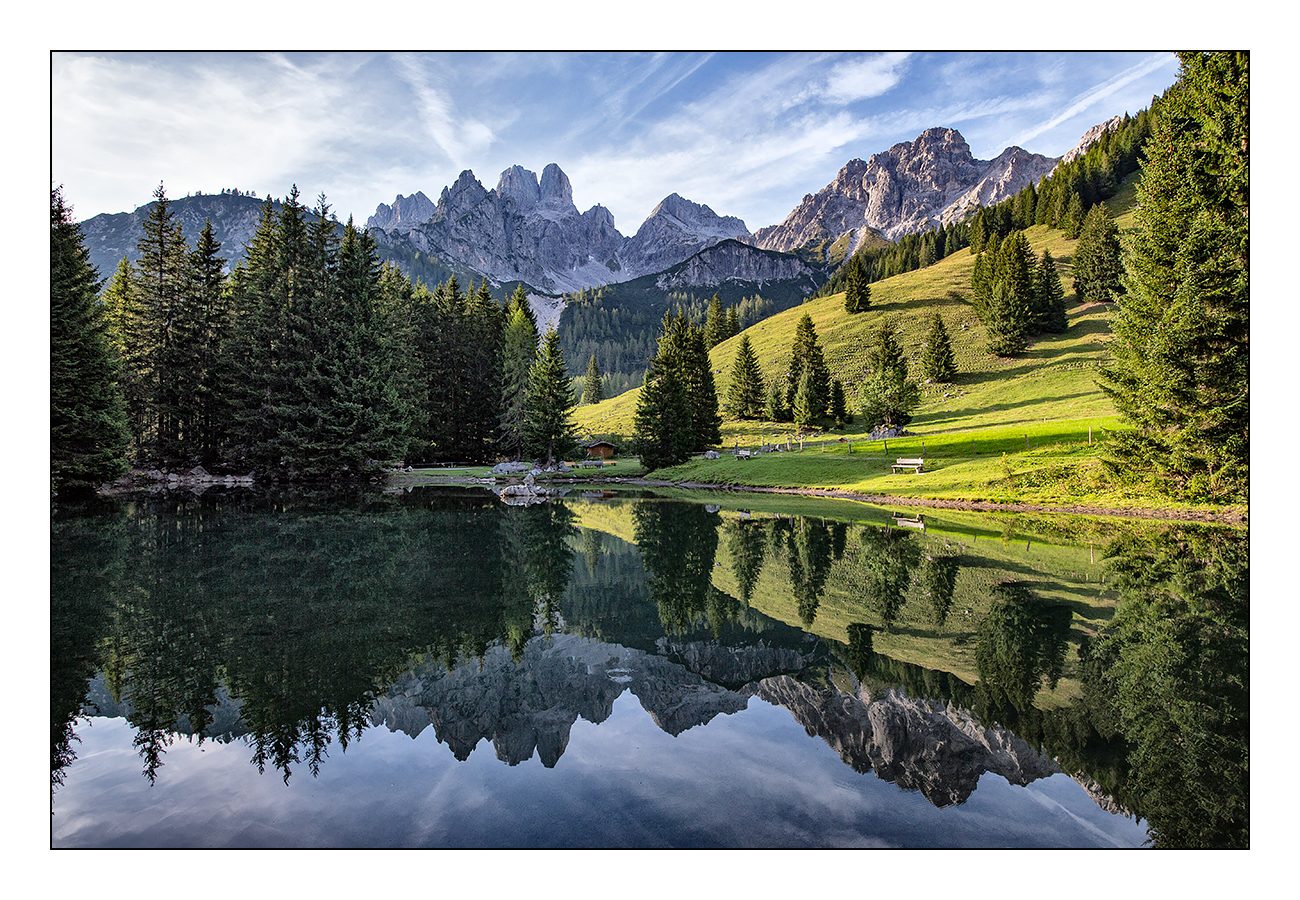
{"x":301,"y":613}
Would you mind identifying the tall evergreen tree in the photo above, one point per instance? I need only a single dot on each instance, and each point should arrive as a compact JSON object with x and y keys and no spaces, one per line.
{"x":1071,"y":219}
{"x":775,"y":407}
{"x":1049,"y":314}
{"x":715,"y":324}
{"x":1180,"y":370}
{"x":125,"y":330}
{"x":593,"y":390}
{"x":1008,"y":314}
{"x":839,"y":412}
{"x":806,"y":354}
{"x":888,"y":398}
{"x":549,"y":432}
{"x":938,"y":363}
{"x":746,"y":392}
{"x":355,"y":419}
{"x":518,"y":353}
{"x":1097,"y":265}
{"x":210,"y":318}
{"x":88,"y":432}
{"x":857,"y":290}
{"x":161,"y":280}
{"x":662,"y":434}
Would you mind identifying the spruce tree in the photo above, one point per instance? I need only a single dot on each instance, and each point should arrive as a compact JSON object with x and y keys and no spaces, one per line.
{"x":1007,"y":322}
{"x":745,"y":394}
{"x":549,"y":432}
{"x":88,"y":432}
{"x":662,"y":433}
{"x":857,"y":291}
{"x":161,"y":280}
{"x":806,"y":354}
{"x":1181,"y":360}
{"x":1097,"y":265}
{"x":775,"y":408}
{"x":888,"y":398}
{"x":839,"y":412}
{"x":715,"y":324}
{"x":125,"y":331}
{"x":938,"y":363}
{"x":593,"y":390}
{"x":1071,"y":220}
{"x":518,"y":352}
{"x":355,"y":421}
{"x":1050,"y":312}
{"x":210,"y":318}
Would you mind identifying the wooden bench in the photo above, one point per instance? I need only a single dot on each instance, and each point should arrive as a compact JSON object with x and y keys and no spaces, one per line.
{"x":916,"y":465}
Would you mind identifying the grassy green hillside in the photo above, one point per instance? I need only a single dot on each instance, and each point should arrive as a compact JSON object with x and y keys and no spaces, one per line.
{"x":1025,"y":429}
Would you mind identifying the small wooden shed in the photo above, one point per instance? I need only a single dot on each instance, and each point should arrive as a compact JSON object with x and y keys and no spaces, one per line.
{"x":600,"y":450}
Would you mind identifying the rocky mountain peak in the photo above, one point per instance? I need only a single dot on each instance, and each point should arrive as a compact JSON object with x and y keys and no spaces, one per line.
{"x":555,"y":187}
{"x":520,"y":185}
{"x":404,"y":214}
{"x":1090,"y":137}
{"x":912,"y":186}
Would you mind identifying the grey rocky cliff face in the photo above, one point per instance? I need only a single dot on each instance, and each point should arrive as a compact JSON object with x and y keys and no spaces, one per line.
{"x":530,"y":230}
{"x":405,"y":213}
{"x":1090,"y":137}
{"x":109,"y":237}
{"x":911,"y":186}
{"x":676,"y":229}
{"x":734,"y":261}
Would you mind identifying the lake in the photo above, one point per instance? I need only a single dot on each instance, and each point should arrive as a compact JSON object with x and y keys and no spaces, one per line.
{"x":432,"y":667}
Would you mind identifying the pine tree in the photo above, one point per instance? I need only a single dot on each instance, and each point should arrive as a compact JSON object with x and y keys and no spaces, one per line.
{"x":775,"y":408}
{"x":938,"y":363}
{"x":518,"y":353}
{"x":125,"y":324}
{"x":888,"y":398}
{"x":1007,"y":322}
{"x":662,"y":433}
{"x":1071,"y":219}
{"x":715,"y":324}
{"x":682,"y":348}
{"x":857,"y":292}
{"x":839,"y":412}
{"x":746,"y":392}
{"x":249,"y":351}
{"x":593,"y":390}
{"x":355,"y":419}
{"x":1097,"y":265}
{"x":161,"y":281}
{"x":88,"y":431}
{"x":210,"y":318}
{"x":806,"y":354}
{"x":1008,"y":315}
{"x":1181,"y":367}
{"x":549,"y":433}
{"x":1050,"y":306}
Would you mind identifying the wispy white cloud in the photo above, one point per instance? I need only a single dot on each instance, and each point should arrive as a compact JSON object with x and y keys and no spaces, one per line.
{"x":1098,"y":93}
{"x":747,"y":133}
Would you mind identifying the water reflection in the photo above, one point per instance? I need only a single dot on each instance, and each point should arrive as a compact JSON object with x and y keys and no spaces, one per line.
{"x":926,"y":655}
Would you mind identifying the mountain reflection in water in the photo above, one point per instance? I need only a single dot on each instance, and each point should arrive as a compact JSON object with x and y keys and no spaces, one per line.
{"x":294,"y":624}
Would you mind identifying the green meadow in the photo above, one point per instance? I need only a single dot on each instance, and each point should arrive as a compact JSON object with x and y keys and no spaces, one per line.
{"x":1029,"y":429}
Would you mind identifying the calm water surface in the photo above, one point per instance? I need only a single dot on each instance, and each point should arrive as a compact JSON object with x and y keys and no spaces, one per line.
{"x":435,"y":668}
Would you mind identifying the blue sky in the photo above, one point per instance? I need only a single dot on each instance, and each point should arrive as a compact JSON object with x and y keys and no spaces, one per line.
{"x":747,"y":133}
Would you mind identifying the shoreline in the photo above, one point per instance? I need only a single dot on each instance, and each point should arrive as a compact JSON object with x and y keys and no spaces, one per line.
{"x":1221,"y":518}
{"x":1225,"y":517}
